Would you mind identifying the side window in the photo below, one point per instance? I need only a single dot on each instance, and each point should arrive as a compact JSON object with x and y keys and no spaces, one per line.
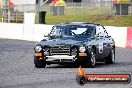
{"x":105,"y":33}
{"x":101,"y":31}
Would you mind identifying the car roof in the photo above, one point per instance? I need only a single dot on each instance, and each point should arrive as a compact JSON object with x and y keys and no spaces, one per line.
{"x":78,"y":23}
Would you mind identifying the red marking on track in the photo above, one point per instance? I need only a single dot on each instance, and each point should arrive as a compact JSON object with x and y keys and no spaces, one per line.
{"x":129,"y":38}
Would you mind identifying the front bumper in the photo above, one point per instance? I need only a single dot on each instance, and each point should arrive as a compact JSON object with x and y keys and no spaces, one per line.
{"x":60,"y":58}
{"x":56,"y":59}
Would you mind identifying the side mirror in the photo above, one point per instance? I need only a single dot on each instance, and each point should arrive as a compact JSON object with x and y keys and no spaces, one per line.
{"x":46,"y":35}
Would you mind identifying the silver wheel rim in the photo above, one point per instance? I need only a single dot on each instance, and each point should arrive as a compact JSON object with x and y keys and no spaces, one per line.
{"x":93,"y":58}
{"x":113,"y":55}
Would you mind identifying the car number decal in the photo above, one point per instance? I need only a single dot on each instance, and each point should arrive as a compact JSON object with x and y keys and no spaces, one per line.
{"x":100,"y":47}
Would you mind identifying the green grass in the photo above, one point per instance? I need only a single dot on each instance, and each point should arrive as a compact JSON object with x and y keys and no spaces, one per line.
{"x":104,"y":20}
{"x":117,"y":21}
{"x":125,"y":21}
{"x":0,"y":15}
{"x":0,"y":19}
{"x":96,"y":15}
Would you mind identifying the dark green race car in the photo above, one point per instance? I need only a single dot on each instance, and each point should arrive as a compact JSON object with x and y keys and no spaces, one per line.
{"x":77,"y":43}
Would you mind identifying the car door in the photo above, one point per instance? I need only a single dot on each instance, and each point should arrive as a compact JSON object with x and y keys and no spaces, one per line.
{"x":102,"y":43}
{"x":109,"y":42}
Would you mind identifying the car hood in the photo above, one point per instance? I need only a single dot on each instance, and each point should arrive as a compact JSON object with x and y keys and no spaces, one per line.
{"x":65,"y":41}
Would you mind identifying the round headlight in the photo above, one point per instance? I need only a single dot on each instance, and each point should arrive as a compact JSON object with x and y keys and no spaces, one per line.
{"x":38,"y":48}
{"x":82,"y":49}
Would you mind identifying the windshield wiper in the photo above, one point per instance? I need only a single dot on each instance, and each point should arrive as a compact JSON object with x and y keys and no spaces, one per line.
{"x":79,"y":35}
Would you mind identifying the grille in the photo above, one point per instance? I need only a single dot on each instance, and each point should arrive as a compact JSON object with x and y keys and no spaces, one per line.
{"x":60,"y":50}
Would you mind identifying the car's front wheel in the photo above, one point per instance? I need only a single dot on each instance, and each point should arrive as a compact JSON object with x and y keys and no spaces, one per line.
{"x":92,"y":61}
{"x":39,"y":64}
{"x":111,"y":57}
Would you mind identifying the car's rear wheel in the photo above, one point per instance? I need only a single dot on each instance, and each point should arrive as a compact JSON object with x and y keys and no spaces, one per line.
{"x":111,"y":57}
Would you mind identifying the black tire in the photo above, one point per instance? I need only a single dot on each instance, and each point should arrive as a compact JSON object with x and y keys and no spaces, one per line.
{"x":40,"y":65}
{"x":111,"y":57}
{"x":92,"y":61}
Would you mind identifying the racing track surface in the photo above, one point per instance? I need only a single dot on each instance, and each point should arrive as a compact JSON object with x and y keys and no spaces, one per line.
{"x":17,"y":69}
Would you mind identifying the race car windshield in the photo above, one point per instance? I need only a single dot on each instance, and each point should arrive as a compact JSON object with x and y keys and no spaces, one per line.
{"x":70,"y":31}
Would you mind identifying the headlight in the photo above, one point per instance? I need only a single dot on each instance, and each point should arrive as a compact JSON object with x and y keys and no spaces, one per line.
{"x":82,"y":49}
{"x":38,"y":48}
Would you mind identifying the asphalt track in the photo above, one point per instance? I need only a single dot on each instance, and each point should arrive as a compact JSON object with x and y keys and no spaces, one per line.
{"x":17,"y":69}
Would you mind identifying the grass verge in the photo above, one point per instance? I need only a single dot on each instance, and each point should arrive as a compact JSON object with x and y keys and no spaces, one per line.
{"x":125,"y":21}
{"x":0,"y":19}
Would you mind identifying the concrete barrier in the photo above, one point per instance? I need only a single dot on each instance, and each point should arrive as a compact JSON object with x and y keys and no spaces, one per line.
{"x":28,"y":26}
{"x":121,"y":35}
{"x":41,"y":30}
{"x":18,"y":31}
{"x":11,"y":31}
